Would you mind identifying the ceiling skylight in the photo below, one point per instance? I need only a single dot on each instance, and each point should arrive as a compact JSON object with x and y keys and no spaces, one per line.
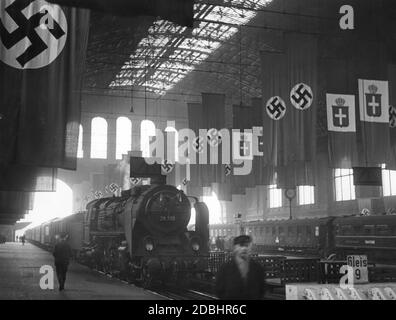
{"x":170,"y":52}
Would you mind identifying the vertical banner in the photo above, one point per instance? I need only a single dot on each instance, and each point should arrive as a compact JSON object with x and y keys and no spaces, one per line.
{"x":391,"y":162}
{"x":219,"y":146}
{"x":193,"y":180}
{"x":42,"y":57}
{"x":341,"y":122}
{"x":263,"y":172}
{"x":374,"y":117}
{"x":274,"y":86}
{"x":299,"y":134}
{"x":243,"y":121}
{"x":213,"y":119}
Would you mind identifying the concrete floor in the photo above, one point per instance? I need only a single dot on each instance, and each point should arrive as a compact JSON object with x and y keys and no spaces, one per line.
{"x":20,"y":279}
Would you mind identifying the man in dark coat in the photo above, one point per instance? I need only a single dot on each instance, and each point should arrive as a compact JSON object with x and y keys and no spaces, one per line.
{"x":62,"y":255}
{"x":241,"y":278}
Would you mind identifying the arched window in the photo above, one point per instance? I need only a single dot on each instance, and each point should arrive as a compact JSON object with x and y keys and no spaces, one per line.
{"x":214,"y":207}
{"x":80,"y":151}
{"x":176,"y":144}
{"x":147,"y":129}
{"x":99,"y":138}
{"x":124,"y":137}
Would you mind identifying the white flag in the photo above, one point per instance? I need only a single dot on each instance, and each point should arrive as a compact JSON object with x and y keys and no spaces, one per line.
{"x":341,"y":114}
{"x":374,"y":101}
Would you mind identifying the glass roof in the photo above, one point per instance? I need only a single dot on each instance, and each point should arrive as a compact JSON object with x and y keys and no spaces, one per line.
{"x":170,"y":52}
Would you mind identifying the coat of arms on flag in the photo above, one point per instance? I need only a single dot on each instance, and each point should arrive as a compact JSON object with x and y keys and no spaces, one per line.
{"x":374,"y":101}
{"x":341,"y":113}
{"x":242,"y":145}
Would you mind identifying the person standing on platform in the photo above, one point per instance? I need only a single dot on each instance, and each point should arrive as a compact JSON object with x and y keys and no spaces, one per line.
{"x":62,"y":254}
{"x":23,"y":240}
{"x":241,"y":278}
{"x":17,"y":238}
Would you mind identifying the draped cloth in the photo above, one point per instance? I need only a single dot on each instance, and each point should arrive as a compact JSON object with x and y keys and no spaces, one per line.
{"x":16,"y":202}
{"x":20,"y":178}
{"x":213,"y":117}
{"x":219,"y":154}
{"x":194,"y":185}
{"x":290,"y":143}
{"x":40,"y":103}
{"x":243,"y":119}
{"x":391,"y":162}
{"x":263,"y":170}
{"x":342,"y":146}
{"x":373,"y":135}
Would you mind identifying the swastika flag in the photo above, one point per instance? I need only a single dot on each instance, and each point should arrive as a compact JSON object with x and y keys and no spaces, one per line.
{"x":42,"y":56}
{"x":341,"y":113}
{"x":374,"y":101}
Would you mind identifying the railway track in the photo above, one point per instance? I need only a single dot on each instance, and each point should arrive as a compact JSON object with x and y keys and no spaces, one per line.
{"x":183,"y":294}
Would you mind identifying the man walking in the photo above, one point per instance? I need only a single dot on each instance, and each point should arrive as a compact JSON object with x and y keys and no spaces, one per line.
{"x":62,"y":255}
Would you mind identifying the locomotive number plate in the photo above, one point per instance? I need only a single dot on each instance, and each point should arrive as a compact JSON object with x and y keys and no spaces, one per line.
{"x":167,"y":218}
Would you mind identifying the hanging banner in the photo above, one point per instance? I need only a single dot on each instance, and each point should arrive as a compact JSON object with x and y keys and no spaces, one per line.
{"x":42,"y":59}
{"x":374,"y":101}
{"x":341,"y":113}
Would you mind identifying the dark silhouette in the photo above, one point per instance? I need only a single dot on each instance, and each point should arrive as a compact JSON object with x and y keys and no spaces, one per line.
{"x":241,"y":278}
{"x":62,"y":255}
{"x":23,"y":240}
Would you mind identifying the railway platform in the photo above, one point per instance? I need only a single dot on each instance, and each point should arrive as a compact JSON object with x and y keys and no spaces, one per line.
{"x":20,"y":279}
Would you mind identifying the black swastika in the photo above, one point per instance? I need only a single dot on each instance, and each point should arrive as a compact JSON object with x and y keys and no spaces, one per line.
{"x":227,"y":169}
{"x":302,"y":97}
{"x":26,"y":29}
{"x":392,"y":117}
{"x":276,"y":108}
{"x":167,"y":166}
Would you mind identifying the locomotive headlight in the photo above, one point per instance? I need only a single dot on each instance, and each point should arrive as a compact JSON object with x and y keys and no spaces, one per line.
{"x":149,"y":244}
{"x":195,"y":244}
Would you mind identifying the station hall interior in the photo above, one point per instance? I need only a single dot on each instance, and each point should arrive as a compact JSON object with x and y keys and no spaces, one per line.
{"x":179,"y":125}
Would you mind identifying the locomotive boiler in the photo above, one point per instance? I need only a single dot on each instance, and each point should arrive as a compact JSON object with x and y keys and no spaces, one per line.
{"x":143,"y":234}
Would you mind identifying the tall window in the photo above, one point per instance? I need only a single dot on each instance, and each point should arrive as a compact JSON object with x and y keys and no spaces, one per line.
{"x":344,"y":187}
{"x":388,"y":182}
{"x":99,"y":138}
{"x":147,"y":129}
{"x":306,"y":195}
{"x":275,"y":197}
{"x":80,"y":151}
{"x":176,"y":143}
{"x":214,"y":207}
{"x":123,"y":136}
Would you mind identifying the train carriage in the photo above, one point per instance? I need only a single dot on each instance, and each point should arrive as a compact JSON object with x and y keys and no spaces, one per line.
{"x":374,"y":236}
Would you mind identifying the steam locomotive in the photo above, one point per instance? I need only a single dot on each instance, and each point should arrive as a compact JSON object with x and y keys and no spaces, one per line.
{"x":141,"y":236}
{"x":336,"y":237}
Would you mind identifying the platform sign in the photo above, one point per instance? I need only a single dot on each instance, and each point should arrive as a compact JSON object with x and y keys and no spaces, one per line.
{"x":359,"y":267}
